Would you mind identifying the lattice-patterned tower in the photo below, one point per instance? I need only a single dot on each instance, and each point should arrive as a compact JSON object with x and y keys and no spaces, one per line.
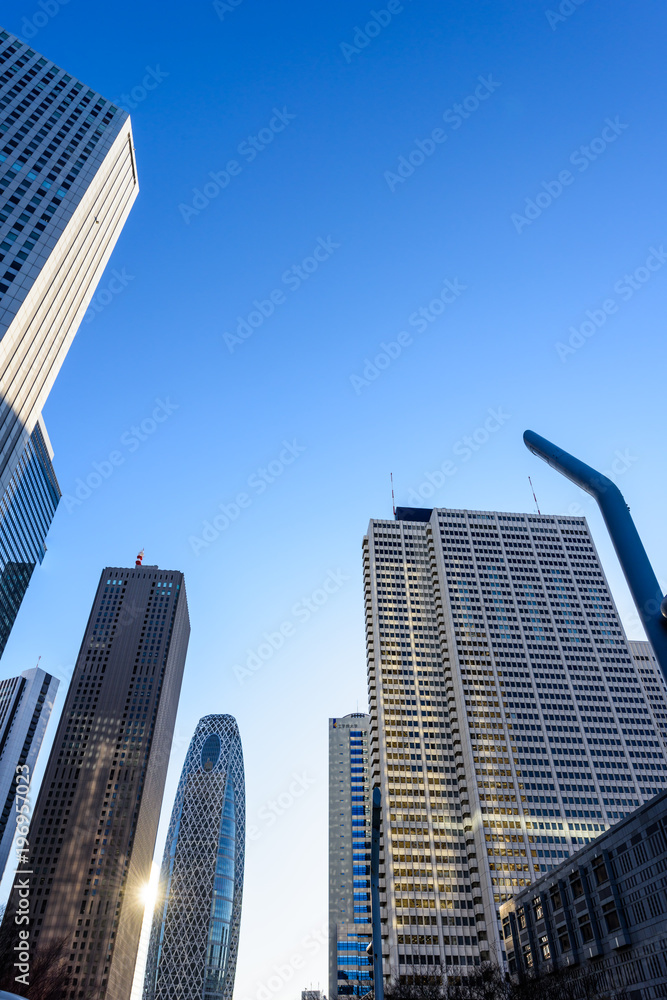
{"x":195,"y":935}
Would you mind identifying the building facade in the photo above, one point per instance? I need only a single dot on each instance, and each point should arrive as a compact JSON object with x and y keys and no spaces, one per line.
{"x":93,"y":829}
{"x":350,"y":808}
{"x":68,"y":180}
{"x":602,"y":913}
{"x":26,"y":511}
{"x":26,"y":703}
{"x":653,"y":681}
{"x":195,"y":935}
{"x":509,"y":723}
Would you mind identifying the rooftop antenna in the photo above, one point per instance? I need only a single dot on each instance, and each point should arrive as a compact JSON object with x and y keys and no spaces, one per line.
{"x":393,"y":501}
{"x":38,"y":659}
{"x":140,"y":558}
{"x":534,"y":497}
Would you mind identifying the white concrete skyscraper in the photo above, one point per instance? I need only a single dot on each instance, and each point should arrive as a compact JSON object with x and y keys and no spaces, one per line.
{"x":510,"y":723}
{"x":350,"y":970}
{"x":68,"y":180}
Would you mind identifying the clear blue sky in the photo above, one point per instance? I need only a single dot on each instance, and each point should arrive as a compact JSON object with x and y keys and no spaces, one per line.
{"x":326,"y":177}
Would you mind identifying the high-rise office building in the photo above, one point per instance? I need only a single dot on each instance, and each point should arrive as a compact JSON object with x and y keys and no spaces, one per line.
{"x":26,"y":511}
{"x":510,"y":725}
{"x":26,"y":703}
{"x":195,"y":935}
{"x":68,"y":180}
{"x":653,"y":680}
{"x":350,"y":807}
{"x":95,"y":820}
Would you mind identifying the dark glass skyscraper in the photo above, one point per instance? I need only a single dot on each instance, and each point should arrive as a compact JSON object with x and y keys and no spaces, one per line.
{"x":194,"y":941}
{"x":93,"y":830}
{"x":26,"y":511}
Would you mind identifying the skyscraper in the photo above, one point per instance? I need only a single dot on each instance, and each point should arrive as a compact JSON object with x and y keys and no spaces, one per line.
{"x":512,"y":724}
{"x":26,"y":511}
{"x":653,"y":680}
{"x":350,"y":807}
{"x":195,"y":936}
{"x":68,"y":175}
{"x":68,"y":180}
{"x":26,"y":703}
{"x":94,"y":824}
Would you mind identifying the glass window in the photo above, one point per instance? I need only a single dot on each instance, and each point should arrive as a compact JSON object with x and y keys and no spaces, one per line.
{"x":223,"y":889}
{"x":611,"y":917}
{"x":600,"y":871}
{"x":586,"y":929}
{"x":210,"y":754}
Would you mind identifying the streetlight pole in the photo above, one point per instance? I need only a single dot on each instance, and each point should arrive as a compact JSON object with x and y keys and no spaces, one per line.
{"x":631,"y":553}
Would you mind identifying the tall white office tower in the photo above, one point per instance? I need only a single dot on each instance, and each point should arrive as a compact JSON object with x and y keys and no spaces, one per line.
{"x":654,"y":682}
{"x":510,"y":724}
{"x":350,"y":970}
{"x":67,"y":183}
{"x":26,"y":703}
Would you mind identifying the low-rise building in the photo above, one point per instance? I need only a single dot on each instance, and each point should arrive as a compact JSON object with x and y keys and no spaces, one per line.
{"x":603,"y":911}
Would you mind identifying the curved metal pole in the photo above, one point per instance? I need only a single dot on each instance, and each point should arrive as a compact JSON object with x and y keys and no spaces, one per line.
{"x":378,"y":980}
{"x":631,"y":553}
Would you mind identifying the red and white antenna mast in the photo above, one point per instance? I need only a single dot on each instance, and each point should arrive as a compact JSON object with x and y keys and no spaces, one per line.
{"x":393,"y":501}
{"x":140,"y":558}
{"x":534,"y":497}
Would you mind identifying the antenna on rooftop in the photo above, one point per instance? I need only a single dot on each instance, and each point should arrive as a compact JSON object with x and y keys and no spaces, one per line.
{"x":140,"y":558}
{"x":534,"y":497}
{"x":393,"y":501}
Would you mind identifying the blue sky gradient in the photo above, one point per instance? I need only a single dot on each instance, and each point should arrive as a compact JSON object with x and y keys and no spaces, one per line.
{"x":507,"y":352}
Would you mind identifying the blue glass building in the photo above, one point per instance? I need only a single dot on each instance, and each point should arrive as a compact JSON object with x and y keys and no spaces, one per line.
{"x":26,"y":511}
{"x":350,"y":931}
{"x":194,"y":939}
